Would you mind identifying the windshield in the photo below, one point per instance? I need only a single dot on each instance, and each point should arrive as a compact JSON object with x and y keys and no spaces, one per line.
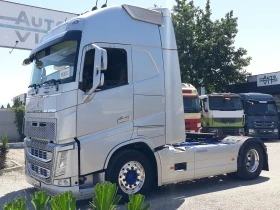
{"x":55,"y":63}
{"x":255,"y":108}
{"x":225,"y":103}
{"x":191,"y":105}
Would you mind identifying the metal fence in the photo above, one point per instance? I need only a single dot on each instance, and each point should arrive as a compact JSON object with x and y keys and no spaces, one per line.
{"x":7,"y":125}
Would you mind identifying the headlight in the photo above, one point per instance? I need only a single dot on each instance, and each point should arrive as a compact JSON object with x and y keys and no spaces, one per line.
{"x":62,"y":182}
{"x":251,"y":131}
{"x":61,"y":163}
{"x":275,"y":130}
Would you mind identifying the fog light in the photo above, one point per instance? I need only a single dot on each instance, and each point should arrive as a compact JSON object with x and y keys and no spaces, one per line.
{"x":62,"y":182}
{"x":275,"y":130}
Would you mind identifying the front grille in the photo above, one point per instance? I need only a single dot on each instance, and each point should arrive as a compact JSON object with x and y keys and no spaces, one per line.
{"x":228,"y":120}
{"x":40,"y":144}
{"x":231,"y":132}
{"x":40,"y":130}
{"x":40,"y":159}
{"x":40,"y":171}
{"x":264,"y":124}
{"x":42,"y":155}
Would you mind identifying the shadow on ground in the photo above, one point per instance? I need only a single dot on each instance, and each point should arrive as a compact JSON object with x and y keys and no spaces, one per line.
{"x":17,"y":194}
{"x":173,"y":196}
{"x":165,"y":197}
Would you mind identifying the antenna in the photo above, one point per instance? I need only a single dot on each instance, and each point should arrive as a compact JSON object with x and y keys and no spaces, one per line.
{"x":104,"y":5}
{"x":13,"y":47}
{"x":95,"y":8}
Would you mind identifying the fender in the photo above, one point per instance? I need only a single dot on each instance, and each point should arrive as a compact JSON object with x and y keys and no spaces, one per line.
{"x":133,"y":141}
{"x":243,"y":141}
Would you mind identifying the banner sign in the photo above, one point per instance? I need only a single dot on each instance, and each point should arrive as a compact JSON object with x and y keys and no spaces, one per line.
{"x":268,"y":79}
{"x":23,"y":26}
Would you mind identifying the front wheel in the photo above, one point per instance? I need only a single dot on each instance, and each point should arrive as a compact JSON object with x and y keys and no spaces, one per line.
{"x":251,"y":163}
{"x":131,"y":171}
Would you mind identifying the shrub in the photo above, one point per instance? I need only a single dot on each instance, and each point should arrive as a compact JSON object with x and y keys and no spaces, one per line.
{"x":40,"y":200}
{"x":63,"y":201}
{"x":3,"y":151}
{"x":136,"y":203}
{"x":4,"y":145}
{"x":106,"y":197}
{"x":17,"y":204}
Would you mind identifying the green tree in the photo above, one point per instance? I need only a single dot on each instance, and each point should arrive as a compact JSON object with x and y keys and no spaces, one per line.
{"x":17,"y":102}
{"x":19,"y":109}
{"x":8,"y":106}
{"x":206,"y":48}
{"x":2,"y":107}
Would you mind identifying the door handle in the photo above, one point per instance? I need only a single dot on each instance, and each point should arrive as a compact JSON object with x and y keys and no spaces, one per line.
{"x":123,"y":118}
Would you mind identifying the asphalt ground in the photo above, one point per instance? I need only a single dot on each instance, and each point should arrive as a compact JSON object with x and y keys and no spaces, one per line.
{"x":220,"y":192}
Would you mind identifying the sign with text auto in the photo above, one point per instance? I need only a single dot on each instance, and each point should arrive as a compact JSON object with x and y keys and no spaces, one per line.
{"x":24,"y":26}
{"x":268,"y":79}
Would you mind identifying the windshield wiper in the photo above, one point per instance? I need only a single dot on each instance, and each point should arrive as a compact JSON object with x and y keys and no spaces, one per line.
{"x":54,"y":81}
{"x":33,"y":85}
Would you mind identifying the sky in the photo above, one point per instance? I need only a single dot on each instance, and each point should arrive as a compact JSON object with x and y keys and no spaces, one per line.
{"x":258,"y":25}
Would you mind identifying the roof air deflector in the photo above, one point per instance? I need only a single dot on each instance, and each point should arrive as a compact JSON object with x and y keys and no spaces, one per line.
{"x":146,"y":15}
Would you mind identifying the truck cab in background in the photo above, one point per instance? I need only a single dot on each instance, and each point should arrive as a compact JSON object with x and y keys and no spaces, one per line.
{"x":192,"y":113}
{"x":261,"y":116}
{"x":222,"y":113}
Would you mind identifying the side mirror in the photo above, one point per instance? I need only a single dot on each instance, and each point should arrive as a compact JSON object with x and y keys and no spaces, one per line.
{"x":26,"y":61}
{"x":104,"y":59}
{"x":100,"y":63}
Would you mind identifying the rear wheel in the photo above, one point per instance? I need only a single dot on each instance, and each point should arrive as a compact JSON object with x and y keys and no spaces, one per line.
{"x":251,"y":164}
{"x":131,"y":171}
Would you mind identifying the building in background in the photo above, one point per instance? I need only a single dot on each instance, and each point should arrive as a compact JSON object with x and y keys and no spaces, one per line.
{"x":262,"y":83}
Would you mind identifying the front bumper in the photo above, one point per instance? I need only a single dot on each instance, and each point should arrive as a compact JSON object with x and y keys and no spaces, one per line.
{"x":263,"y":134}
{"x":80,"y":194}
{"x":226,"y":131}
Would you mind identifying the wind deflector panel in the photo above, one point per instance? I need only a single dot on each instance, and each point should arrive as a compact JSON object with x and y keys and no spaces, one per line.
{"x":145,"y":15}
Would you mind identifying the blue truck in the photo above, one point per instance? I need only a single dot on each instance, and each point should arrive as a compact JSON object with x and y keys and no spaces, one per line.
{"x":261,"y":116}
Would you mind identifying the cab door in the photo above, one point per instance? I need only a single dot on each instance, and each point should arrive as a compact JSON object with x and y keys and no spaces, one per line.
{"x":110,"y":109}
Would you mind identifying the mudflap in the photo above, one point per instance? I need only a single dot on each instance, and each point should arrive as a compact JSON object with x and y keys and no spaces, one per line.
{"x":244,"y":141}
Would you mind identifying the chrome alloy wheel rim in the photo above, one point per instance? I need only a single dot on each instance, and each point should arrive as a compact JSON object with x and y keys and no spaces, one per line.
{"x":131,"y":177}
{"x":252,"y":160}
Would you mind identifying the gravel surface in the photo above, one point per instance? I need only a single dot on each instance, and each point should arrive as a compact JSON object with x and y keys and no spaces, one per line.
{"x":219,"y":192}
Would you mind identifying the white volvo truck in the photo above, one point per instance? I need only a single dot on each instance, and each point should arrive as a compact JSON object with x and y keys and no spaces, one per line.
{"x":105,"y":104}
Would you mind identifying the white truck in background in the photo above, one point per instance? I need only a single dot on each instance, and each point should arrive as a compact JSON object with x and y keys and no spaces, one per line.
{"x":105,"y":103}
{"x":222,"y":114}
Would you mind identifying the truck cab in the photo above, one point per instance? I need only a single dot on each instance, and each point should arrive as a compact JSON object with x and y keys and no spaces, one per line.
{"x":192,"y":113}
{"x":261,"y":116}
{"x":222,"y":113}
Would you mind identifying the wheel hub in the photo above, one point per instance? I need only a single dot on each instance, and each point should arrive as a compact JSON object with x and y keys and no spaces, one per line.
{"x":131,"y":177}
{"x":252,"y":160}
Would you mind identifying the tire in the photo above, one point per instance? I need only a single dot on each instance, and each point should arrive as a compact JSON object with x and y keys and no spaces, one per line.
{"x":131,"y":171}
{"x":251,"y":162}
